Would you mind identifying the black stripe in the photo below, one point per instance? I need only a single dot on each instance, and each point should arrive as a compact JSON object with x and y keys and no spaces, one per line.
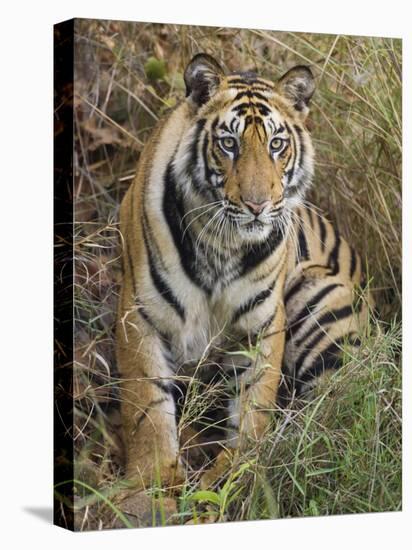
{"x":243,"y":107}
{"x":149,"y":320}
{"x":322,"y":229}
{"x":294,"y":289}
{"x":224,"y":126}
{"x":309,"y":212}
{"x":273,"y":271}
{"x":200,"y":124}
{"x":246,"y":81}
{"x":249,"y":79}
{"x":253,"y":257}
{"x":333,"y":261}
{"x":208,"y":171}
{"x":289,"y":173}
{"x":356,"y":342}
{"x":130,"y":261}
{"x":259,"y":121}
{"x":242,"y":110}
{"x":307,"y":349}
{"x":248,"y":120}
{"x":232,"y":125}
{"x":264,"y":89}
{"x":326,"y":319}
{"x":252,"y":303}
{"x":167,"y":353}
{"x":328,"y":359}
{"x":149,"y":406}
{"x":302,"y":151}
{"x":263,"y":109}
{"x":239,"y":87}
{"x":159,"y":282}
{"x":265,"y":325}
{"x":251,"y":94}
{"x":173,"y":210}
{"x":306,"y":311}
{"x":163,"y":386}
{"x":303,"y":245}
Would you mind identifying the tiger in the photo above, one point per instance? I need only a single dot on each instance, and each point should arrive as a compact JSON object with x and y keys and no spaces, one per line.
{"x":220,"y":250}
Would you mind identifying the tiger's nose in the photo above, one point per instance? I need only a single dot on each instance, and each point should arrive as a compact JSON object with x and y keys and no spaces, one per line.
{"x":257,"y":207}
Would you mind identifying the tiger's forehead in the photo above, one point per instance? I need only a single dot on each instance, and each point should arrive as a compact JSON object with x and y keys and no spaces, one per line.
{"x":249,"y":81}
{"x":245,"y":99}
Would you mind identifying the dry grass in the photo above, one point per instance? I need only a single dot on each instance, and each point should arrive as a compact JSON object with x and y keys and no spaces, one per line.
{"x":356,"y":118}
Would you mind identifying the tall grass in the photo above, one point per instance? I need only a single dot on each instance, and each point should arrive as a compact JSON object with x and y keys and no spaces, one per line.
{"x":339,"y":453}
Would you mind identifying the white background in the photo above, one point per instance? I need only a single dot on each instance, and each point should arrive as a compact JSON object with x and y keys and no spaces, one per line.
{"x":26,"y":271}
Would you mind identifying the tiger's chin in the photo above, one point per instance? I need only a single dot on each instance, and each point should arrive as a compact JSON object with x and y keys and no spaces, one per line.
{"x":255,"y":231}
{"x":258,"y":231}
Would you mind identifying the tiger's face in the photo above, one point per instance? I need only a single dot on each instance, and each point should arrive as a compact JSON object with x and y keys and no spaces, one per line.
{"x":248,"y":148}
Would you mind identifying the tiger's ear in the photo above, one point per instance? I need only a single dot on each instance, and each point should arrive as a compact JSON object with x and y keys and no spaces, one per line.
{"x":297,"y":86}
{"x":202,"y":77}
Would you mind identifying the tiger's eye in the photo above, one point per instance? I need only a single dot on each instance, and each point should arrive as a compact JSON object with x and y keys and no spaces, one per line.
{"x":276,"y":144}
{"x":228,"y":143}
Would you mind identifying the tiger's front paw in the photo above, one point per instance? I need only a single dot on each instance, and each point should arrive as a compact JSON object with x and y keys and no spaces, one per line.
{"x":219,"y":470}
{"x":170,"y":475}
{"x":139,"y":509}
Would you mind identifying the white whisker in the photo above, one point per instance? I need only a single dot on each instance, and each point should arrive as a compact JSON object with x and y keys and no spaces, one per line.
{"x":195,"y":218}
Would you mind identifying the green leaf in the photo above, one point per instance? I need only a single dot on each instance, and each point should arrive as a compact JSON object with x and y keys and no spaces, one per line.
{"x":313,"y":508}
{"x":321,"y":471}
{"x":233,"y":496}
{"x":250,"y":354}
{"x":231,"y":483}
{"x":206,"y":496}
{"x":155,"y":69}
{"x":171,"y":101}
{"x":295,"y":481}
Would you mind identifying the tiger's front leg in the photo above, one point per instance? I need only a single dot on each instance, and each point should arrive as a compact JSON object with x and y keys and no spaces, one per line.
{"x":258,"y":392}
{"x":249,"y":413}
{"x":147,"y":406}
